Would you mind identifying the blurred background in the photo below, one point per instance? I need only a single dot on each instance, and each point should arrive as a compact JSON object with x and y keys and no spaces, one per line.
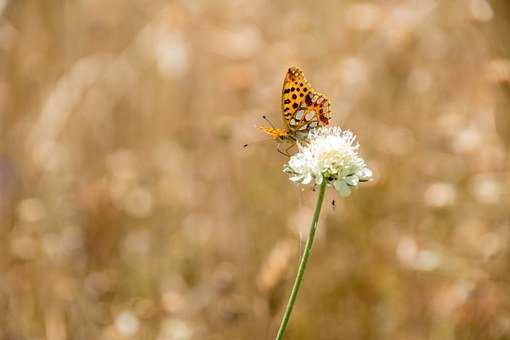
{"x":129,"y":208}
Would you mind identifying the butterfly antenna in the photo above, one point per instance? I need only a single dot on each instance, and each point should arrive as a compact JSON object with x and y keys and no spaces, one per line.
{"x":267,"y":120}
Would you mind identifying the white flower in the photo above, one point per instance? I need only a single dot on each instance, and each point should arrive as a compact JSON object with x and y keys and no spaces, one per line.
{"x":329,"y":155}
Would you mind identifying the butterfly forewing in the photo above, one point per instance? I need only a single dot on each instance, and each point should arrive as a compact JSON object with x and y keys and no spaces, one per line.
{"x":295,"y":88}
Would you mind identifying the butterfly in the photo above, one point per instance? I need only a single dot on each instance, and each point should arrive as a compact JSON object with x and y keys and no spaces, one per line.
{"x":303,"y":109}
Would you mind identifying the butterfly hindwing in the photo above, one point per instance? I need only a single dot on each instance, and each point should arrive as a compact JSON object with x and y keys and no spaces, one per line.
{"x":312,"y":112}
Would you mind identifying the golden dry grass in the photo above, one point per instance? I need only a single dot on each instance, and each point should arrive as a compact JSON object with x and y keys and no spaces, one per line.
{"x":130,"y":210}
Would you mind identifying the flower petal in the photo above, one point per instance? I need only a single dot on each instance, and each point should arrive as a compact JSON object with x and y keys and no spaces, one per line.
{"x":365,"y":174}
{"x":342,"y":188}
{"x":352,"y":180}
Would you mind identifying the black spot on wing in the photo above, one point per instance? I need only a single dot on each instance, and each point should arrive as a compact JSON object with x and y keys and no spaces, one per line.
{"x":308,"y":100}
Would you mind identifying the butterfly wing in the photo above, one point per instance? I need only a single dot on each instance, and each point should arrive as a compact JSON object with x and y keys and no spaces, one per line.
{"x":295,"y":87}
{"x":303,"y":108}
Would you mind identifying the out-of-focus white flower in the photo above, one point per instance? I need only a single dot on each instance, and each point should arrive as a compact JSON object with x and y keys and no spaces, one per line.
{"x":329,"y":155}
{"x":127,"y":323}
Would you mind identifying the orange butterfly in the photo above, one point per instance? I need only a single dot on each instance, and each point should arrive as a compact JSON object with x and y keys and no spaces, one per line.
{"x":303,"y":109}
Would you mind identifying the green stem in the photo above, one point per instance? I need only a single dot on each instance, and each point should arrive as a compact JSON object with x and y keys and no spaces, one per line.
{"x":302,"y":264}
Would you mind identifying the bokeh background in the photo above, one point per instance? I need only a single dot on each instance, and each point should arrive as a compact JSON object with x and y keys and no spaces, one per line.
{"x":129,"y":208}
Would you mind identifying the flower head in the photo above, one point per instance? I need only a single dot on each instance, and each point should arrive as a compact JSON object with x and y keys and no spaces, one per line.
{"x":329,"y":155}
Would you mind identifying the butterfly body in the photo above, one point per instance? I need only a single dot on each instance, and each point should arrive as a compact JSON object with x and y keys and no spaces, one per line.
{"x":283,"y":135}
{"x":303,"y":109}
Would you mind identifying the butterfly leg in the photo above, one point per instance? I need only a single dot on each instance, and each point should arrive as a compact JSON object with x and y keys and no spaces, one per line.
{"x":290,"y":147}
{"x":285,"y":153}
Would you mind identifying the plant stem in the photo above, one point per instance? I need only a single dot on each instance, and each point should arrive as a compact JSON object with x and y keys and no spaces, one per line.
{"x":302,"y":264}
